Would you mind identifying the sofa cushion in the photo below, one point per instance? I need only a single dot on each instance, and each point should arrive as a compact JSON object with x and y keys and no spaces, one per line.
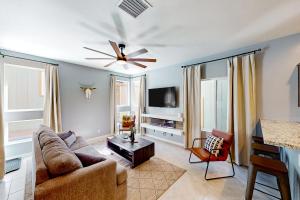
{"x":88,"y":150}
{"x":58,"y":158}
{"x":212,"y":143}
{"x":64,"y":135}
{"x":43,"y":129}
{"x":79,"y":143}
{"x":88,"y":160}
{"x":39,"y":169}
{"x":121,"y":175}
{"x":70,"y":140}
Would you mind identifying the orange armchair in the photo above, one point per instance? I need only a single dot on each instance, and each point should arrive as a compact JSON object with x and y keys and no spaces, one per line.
{"x":127,"y":123}
{"x":206,"y":156}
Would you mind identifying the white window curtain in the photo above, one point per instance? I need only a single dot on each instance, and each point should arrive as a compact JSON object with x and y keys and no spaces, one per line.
{"x":242,"y":105}
{"x":2,"y":154}
{"x":52,"y":109}
{"x":113,"y":111}
{"x":141,"y":103}
{"x":192,"y":105}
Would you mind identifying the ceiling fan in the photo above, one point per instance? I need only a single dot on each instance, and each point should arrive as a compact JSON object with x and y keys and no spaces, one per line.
{"x":121,"y":58}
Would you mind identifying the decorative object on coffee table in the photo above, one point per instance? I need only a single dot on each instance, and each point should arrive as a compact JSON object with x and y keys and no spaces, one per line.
{"x":137,"y":153}
{"x":132,"y":134}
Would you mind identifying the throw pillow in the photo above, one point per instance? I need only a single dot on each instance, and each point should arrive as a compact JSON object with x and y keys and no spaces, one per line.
{"x":58,"y":158}
{"x":70,"y":140}
{"x":64,"y":135}
{"x":88,"y":160}
{"x":213,"y":142}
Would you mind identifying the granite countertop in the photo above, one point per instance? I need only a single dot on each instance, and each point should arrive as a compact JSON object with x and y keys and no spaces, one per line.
{"x":281,"y":133}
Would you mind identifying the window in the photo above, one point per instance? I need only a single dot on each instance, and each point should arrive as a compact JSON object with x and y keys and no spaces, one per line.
{"x":122,"y":98}
{"x":122,"y":93}
{"x":135,"y":94}
{"x":24,"y":94}
{"x":214,"y":104}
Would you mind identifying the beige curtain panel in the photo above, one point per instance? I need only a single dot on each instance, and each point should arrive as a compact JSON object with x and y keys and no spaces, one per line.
{"x":113,"y":110}
{"x":52,"y":110}
{"x":192,"y":104}
{"x":141,"y":103}
{"x":2,"y":154}
{"x":242,"y":105}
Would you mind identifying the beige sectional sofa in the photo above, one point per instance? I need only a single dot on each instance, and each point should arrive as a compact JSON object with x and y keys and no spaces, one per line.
{"x":105,"y":180}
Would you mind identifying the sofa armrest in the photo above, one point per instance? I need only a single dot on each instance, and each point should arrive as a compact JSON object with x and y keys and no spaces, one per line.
{"x":97,"y":181}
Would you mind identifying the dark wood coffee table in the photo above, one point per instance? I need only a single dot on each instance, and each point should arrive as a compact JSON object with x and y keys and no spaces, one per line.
{"x":137,"y":153}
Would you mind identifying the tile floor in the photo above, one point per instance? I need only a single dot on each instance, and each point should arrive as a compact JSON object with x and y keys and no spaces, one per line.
{"x":191,"y":186}
{"x":12,"y":187}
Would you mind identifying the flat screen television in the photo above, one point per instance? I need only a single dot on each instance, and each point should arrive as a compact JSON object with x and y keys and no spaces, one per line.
{"x":162,"y":97}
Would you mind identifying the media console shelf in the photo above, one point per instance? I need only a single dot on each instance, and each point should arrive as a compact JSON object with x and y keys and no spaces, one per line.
{"x":166,"y":117}
{"x":178,"y":130}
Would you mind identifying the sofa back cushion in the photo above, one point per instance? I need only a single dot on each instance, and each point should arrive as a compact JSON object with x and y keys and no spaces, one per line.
{"x":58,"y":158}
{"x":69,"y":141}
{"x":64,"y":135}
{"x":40,"y":172}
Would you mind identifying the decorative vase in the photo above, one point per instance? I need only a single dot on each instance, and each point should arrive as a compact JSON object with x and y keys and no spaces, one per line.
{"x":132,"y":135}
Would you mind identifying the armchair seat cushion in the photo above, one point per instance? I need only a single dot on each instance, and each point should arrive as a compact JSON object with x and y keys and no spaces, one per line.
{"x":125,"y":129}
{"x":203,"y":154}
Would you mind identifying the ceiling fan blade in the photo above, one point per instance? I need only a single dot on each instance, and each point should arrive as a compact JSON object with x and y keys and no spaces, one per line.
{"x":119,"y":26}
{"x":142,"y":59}
{"x":99,"y":52}
{"x":109,"y":64}
{"x":116,"y":48}
{"x":145,"y":33}
{"x":97,"y":30}
{"x":136,"y":53}
{"x":137,"y":64}
{"x":99,"y":58}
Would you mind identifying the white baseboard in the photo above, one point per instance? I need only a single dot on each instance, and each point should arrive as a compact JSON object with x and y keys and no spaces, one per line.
{"x":164,"y":140}
{"x":101,"y":138}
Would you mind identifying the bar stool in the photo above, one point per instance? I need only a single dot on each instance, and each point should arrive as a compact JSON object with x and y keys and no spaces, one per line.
{"x":272,"y":167}
{"x":260,"y":148}
{"x":266,"y":150}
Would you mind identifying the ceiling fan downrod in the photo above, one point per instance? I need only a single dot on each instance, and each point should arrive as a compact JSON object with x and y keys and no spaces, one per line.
{"x":122,"y":47}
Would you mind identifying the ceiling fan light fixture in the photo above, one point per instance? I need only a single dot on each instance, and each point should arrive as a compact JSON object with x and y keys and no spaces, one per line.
{"x":125,"y":66}
{"x":121,"y":62}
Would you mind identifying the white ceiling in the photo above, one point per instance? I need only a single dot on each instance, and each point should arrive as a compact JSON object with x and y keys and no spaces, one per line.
{"x":174,"y":31}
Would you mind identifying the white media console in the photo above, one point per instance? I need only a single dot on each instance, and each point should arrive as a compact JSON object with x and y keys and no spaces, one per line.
{"x":178,"y":130}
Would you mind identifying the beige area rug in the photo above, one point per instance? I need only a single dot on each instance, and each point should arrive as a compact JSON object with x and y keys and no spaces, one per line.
{"x":146,"y":181}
